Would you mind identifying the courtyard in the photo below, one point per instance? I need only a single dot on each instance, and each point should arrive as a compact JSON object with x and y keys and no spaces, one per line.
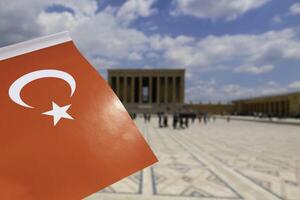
{"x":219,"y":160}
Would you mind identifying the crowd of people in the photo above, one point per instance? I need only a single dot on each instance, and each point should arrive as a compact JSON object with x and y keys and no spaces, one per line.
{"x":181,"y":120}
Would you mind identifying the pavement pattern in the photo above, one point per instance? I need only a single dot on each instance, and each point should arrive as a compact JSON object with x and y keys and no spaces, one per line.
{"x":220,"y":160}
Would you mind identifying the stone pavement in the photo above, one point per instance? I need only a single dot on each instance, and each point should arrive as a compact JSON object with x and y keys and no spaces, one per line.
{"x":236,"y":160}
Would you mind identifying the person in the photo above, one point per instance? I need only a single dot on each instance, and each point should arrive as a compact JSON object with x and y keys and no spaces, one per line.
{"x":228,"y":119}
{"x":133,"y":116}
{"x":159,"y":114}
{"x":181,"y":120}
{"x":199,"y":117}
{"x":186,"y":121}
{"x":149,"y":117}
{"x":205,"y":118}
{"x":175,"y":120}
{"x":165,"y":120}
{"x":193,"y":117}
{"x":270,"y":115}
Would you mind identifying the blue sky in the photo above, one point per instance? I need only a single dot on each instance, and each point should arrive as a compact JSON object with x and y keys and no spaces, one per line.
{"x":230,"y":49}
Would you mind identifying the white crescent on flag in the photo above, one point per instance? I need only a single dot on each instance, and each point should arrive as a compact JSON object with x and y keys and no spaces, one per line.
{"x":16,"y":88}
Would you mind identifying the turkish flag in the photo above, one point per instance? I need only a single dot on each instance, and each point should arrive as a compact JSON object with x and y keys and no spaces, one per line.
{"x":64,"y":134}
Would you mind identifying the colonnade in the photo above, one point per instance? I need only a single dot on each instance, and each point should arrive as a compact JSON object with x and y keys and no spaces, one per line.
{"x":276,"y":108}
{"x":148,"y":89}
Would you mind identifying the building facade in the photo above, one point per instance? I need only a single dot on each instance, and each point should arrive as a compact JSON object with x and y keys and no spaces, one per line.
{"x":148,"y":90}
{"x":283,"y":105}
{"x":213,"y":109}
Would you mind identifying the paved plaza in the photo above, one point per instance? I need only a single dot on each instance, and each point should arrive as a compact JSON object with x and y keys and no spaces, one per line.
{"x":220,"y":160}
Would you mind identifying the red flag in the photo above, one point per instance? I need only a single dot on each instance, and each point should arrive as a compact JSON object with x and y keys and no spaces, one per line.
{"x":63,"y":132}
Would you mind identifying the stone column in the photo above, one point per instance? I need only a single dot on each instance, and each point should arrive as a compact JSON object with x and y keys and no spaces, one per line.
{"x":132,"y":89}
{"x":260,"y":107}
{"x":280,"y":108}
{"x":181,"y":89}
{"x":277,"y":108}
{"x":140,"y":90}
{"x":158,"y":89}
{"x":166,"y":89}
{"x":174,"y":89}
{"x":272,"y":107}
{"x":150,"y":88}
{"x":122,"y":88}
{"x":125,"y":90}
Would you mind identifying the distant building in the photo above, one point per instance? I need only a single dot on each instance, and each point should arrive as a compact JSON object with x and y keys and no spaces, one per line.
{"x":282,"y":105}
{"x":215,"y":109}
{"x":148,"y":90}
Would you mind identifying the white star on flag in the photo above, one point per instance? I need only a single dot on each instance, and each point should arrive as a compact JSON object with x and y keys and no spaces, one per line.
{"x":58,"y":112}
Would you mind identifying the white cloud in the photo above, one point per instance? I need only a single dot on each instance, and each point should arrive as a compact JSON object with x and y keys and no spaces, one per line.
{"x":229,"y":51}
{"x":277,"y":19}
{"x":17,"y":23}
{"x":100,"y":35}
{"x":104,"y":63}
{"x":295,"y":85}
{"x":295,"y":9}
{"x":134,"y":56}
{"x":235,"y":90}
{"x":56,"y":22}
{"x":18,"y":19}
{"x":216,"y":9}
{"x":152,"y":55}
{"x":132,"y":9}
{"x":103,"y":35}
{"x":253,"y":69}
{"x":214,"y":91}
{"x":272,"y":83}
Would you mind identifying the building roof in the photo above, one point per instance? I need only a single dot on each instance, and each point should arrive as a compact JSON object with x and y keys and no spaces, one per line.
{"x":147,"y":69}
{"x":160,"y":71}
{"x":268,"y":96}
